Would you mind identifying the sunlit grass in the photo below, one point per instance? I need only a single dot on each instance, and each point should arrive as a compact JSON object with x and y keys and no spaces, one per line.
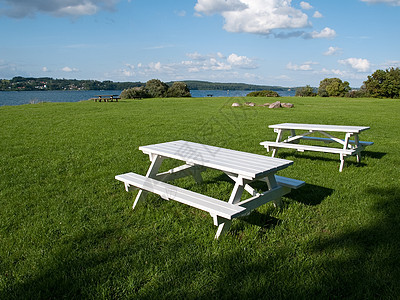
{"x":67,"y":229}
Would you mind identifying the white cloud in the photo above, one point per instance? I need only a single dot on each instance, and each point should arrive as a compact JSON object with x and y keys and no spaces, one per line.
{"x":391,"y":64}
{"x":240,"y":61}
{"x":197,"y":65}
{"x":305,"y":5}
{"x":390,"y":2}
{"x":326,"y":33}
{"x":273,"y":17}
{"x":255,"y":16}
{"x":209,"y":7}
{"x":59,"y":8}
{"x":318,"y":15}
{"x":307,"y":66}
{"x":333,"y":51}
{"x":68,"y":69}
{"x":45,"y":69}
{"x":358,"y":64}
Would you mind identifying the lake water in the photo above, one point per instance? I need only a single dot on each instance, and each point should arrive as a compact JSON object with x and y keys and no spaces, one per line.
{"x":26,"y":97}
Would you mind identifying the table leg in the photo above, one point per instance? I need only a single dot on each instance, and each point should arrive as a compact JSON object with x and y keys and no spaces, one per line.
{"x":345,"y":147}
{"x":356,"y":146}
{"x":151,"y":173}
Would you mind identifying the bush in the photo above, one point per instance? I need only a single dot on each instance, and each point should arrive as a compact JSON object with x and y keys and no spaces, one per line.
{"x":156,"y":88}
{"x":306,"y":91}
{"x":264,"y":93}
{"x":333,"y":87}
{"x":134,"y":93}
{"x":179,"y":89}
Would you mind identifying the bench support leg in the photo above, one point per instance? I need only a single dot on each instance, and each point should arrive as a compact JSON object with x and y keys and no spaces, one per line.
{"x":271,"y":181}
{"x":341,"y":162}
{"x":223,"y":228}
{"x":151,"y":173}
{"x":278,"y":139}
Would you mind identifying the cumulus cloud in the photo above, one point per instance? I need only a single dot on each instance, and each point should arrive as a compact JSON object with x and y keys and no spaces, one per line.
{"x":358,"y":64}
{"x":68,"y":69}
{"x":255,"y":16}
{"x":274,"y":17}
{"x":307,"y":66}
{"x":305,"y":5}
{"x":210,"y":7}
{"x":390,"y":2}
{"x":333,"y":51}
{"x":196,"y":63}
{"x":58,"y":8}
{"x":317,"y":15}
{"x":241,"y":61}
{"x":326,"y":33}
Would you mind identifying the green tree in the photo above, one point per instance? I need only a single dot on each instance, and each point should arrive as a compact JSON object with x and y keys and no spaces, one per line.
{"x":384,"y":84}
{"x":156,"y":88}
{"x":178,"y":89}
{"x":333,"y":87}
{"x":305,"y":91}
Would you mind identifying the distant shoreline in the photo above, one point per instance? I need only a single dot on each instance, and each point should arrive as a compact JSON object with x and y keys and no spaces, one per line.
{"x":50,"y":84}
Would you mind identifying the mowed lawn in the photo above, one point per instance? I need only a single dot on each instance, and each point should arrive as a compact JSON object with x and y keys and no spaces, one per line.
{"x":67,"y":229}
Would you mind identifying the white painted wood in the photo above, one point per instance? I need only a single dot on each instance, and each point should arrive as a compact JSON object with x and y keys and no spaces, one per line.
{"x":156,"y":161}
{"x":168,"y":191}
{"x":289,"y":182}
{"x":263,"y":198}
{"x":248,"y":165}
{"x":242,"y":167}
{"x":328,"y":140}
{"x":180,"y":172}
{"x":319,"y":127}
{"x":309,"y":148}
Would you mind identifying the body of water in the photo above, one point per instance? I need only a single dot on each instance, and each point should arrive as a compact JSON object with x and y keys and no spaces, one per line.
{"x":26,"y":97}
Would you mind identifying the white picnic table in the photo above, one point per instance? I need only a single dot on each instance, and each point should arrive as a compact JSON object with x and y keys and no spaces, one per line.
{"x":242,"y":167}
{"x":349,"y":146}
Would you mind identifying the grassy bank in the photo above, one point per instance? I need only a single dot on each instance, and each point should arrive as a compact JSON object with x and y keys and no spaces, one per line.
{"x":67,"y":228}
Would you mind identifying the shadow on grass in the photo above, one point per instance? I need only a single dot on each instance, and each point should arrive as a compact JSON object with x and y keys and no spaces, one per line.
{"x":310,"y":194}
{"x":330,"y":157}
{"x":367,"y":257}
{"x":105,"y":263}
{"x":264,"y":221}
{"x":375,"y":155}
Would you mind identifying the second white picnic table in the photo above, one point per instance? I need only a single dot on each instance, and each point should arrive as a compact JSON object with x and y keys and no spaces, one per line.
{"x":242,"y":167}
{"x":349,"y":146}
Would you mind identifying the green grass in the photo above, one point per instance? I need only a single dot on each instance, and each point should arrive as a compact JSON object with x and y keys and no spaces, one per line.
{"x":67,"y":229}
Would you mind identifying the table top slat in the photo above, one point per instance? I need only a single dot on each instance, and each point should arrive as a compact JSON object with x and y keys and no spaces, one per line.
{"x":320,"y":127}
{"x":248,"y":165}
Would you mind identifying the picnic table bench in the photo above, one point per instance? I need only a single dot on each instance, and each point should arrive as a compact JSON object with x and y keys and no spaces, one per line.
{"x":242,"y":167}
{"x":106,"y":98}
{"x":349,"y":147}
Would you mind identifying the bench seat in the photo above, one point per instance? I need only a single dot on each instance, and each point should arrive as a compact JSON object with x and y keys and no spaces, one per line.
{"x":169,"y":192}
{"x":301,"y":147}
{"x":289,"y":182}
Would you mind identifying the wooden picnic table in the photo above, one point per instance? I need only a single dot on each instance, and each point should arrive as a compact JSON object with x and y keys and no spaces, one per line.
{"x":242,"y":167}
{"x":349,"y":146}
{"x":106,"y":98}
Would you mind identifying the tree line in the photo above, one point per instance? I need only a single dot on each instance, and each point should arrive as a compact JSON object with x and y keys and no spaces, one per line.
{"x":46,"y":83}
{"x":381,"y":84}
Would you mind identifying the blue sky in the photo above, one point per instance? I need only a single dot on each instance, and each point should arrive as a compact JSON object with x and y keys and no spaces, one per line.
{"x":270,"y":42}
